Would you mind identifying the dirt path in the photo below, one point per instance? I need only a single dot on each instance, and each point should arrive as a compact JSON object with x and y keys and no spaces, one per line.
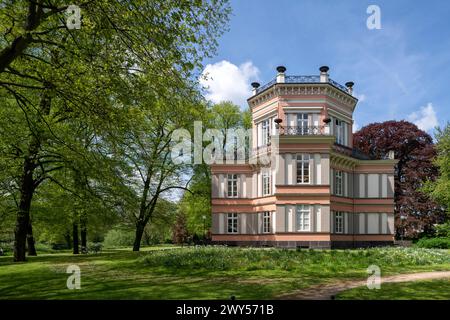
{"x":326,"y":291}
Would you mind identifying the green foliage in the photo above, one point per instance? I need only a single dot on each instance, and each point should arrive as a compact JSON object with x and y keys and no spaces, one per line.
{"x":439,"y":189}
{"x":115,"y":238}
{"x":443,"y":230}
{"x":196,"y":205}
{"x":436,"y":243}
{"x":223,"y":258}
{"x":85,"y":108}
{"x":95,"y":247}
{"x":159,"y":230}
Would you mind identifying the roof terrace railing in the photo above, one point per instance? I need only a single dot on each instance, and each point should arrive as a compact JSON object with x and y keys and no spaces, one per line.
{"x":301,"y":80}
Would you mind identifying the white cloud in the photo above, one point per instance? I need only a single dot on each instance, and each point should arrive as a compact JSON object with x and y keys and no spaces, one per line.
{"x":355,"y":126}
{"x":360,"y":97}
{"x":226,"y":81}
{"x":425,"y":118}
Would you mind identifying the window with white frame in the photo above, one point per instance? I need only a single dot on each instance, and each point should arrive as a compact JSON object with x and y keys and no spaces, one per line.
{"x":266,"y":222}
{"x":339,"y":186}
{"x":339,"y":222}
{"x":303,"y":168}
{"x":303,"y":218}
{"x":266,"y":183}
{"x":340,"y":131}
{"x":232,"y":185}
{"x":232,"y":223}
{"x":265,"y":132}
{"x":302,"y":123}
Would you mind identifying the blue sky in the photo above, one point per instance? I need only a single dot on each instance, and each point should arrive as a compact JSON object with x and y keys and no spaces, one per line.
{"x":401,"y":71}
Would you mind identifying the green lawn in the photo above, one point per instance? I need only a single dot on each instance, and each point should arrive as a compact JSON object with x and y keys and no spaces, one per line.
{"x":416,"y":290}
{"x":203,"y":273}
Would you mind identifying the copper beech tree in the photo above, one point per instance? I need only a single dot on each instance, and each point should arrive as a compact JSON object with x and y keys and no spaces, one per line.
{"x":414,"y":211}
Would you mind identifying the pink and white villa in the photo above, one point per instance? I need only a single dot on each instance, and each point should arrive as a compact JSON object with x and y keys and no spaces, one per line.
{"x":316,"y":191}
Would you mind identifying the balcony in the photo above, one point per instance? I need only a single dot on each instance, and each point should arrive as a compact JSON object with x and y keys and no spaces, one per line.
{"x":302,"y":80}
{"x":304,"y":131}
{"x":351,"y":152}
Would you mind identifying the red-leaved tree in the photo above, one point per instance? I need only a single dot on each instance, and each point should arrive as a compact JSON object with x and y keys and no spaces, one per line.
{"x":415,"y":151}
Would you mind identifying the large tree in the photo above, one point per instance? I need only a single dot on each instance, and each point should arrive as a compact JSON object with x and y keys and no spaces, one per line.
{"x":57,"y":75}
{"x":415,"y":152}
{"x":439,"y":189}
{"x":147,"y":149}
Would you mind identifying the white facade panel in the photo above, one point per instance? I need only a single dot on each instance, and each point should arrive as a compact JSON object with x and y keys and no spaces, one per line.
{"x":373,"y":186}
{"x":362,"y":223}
{"x":384,"y":223}
{"x":318,"y":168}
{"x":384,"y":182}
{"x":290,"y":169}
{"x":362,"y":186}
{"x":373,"y":223}
{"x":318,"y":219}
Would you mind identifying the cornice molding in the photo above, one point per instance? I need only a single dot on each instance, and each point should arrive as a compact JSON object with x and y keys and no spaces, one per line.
{"x":286,"y":89}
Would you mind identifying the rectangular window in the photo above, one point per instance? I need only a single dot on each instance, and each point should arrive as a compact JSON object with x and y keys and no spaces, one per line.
{"x":303,"y":168}
{"x":339,"y":131}
{"x":232,"y":185}
{"x":302,"y":123}
{"x":232,"y":223}
{"x":303,"y":218}
{"x":339,"y":186}
{"x":265,"y":128}
{"x":339,"y":222}
{"x":266,"y":222}
{"x":266,"y":183}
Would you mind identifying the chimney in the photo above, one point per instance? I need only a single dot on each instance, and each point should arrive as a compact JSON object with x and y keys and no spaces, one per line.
{"x":255,"y":86}
{"x":324,"y":74}
{"x":280,"y":75}
{"x":349,"y":86}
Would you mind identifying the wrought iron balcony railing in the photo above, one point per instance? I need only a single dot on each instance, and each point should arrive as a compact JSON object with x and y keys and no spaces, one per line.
{"x":300,"y":80}
{"x":304,"y":131}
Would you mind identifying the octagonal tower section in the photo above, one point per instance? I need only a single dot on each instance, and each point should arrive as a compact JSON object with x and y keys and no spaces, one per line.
{"x":298,"y":187}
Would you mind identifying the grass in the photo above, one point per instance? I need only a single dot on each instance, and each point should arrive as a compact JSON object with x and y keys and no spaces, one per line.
{"x":416,"y":290}
{"x":203,"y":273}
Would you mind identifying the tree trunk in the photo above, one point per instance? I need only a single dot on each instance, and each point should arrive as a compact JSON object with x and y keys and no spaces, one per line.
{"x":30,"y":241}
{"x":23,"y":215}
{"x":20,"y":44}
{"x":83,"y":233}
{"x":76,"y":249}
{"x":27,"y":188}
{"x":68,"y":239}
{"x":138,"y":238}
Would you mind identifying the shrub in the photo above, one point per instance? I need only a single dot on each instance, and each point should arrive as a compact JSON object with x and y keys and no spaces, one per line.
{"x":7,"y":246}
{"x":119,"y":238}
{"x":42,"y":247}
{"x":95,"y":247}
{"x":436,"y":243}
{"x":443,"y":230}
